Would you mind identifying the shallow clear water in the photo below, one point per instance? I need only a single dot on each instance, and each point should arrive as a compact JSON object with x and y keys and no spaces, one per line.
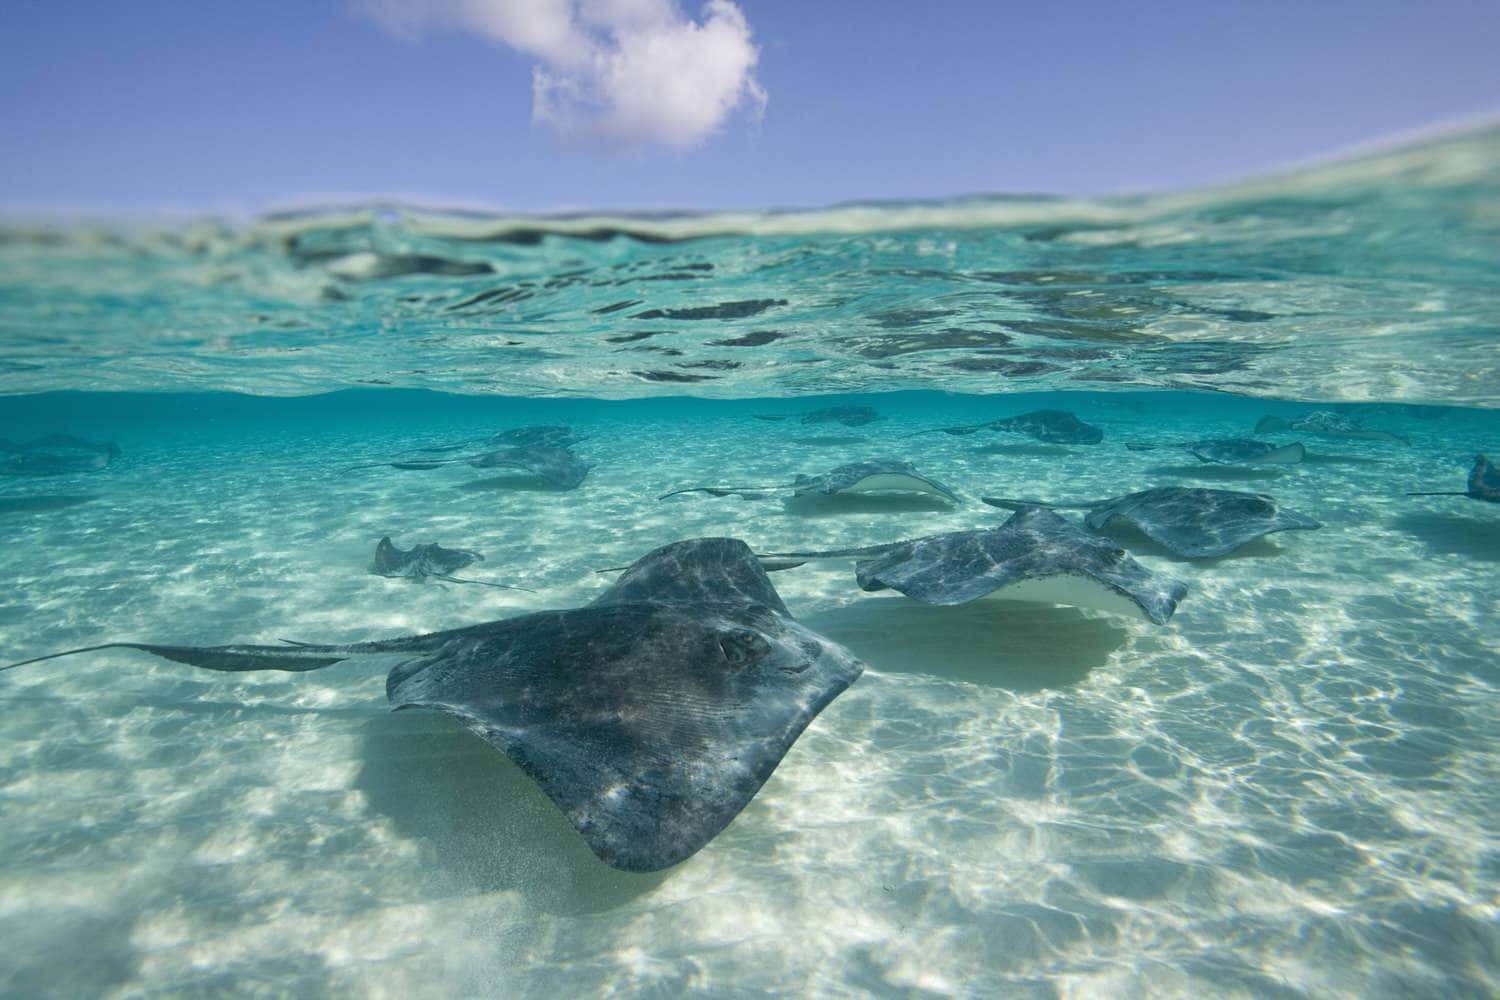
{"x":1287,"y":790}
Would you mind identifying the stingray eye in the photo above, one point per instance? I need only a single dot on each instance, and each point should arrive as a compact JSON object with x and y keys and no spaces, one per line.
{"x":742,"y":647}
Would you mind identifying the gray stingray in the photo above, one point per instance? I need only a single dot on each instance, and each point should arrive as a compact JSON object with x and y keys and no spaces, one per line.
{"x":1035,"y":555}
{"x":545,"y":435}
{"x":55,"y":455}
{"x":881,"y":475}
{"x":559,"y":467}
{"x":650,"y":716}
{"x":1484,"y":483}
{"x":1235,"y":451}
{"x":849,"y":416}
{"x":422,"y":561}
{"x":1328,"y":424}
{"x":1192,"y":522}
{"x":1051,"y":426}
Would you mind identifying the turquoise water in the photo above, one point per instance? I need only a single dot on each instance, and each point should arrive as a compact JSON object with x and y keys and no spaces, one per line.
{"x":1289,"y":789}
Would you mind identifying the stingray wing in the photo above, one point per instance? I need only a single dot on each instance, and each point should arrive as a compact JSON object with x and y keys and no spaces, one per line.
{"x":1032,"y":545}
{"x":649,"y":725}
{"x":1200,"y":523}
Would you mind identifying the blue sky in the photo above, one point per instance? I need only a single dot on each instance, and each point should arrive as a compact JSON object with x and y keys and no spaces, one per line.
{"x":161,"y":106}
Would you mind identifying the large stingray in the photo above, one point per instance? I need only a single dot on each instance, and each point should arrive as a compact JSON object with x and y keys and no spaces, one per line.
{"x":1052,"y":426}
{"x":55,"y":455}
{"x":1036,"y":555}
{"x":1234,"y":451}
{"x":422,"y":561}
{"x":1328,"y":424}
{"x":1192,"y":522}
{"x":559,"y":467}
{"x":881,"y":475}
{"x":650,"y":716}
{"x":1484,"y":483}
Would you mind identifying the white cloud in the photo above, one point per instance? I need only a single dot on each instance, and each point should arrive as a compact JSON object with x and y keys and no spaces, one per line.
{"x":627,"y":71}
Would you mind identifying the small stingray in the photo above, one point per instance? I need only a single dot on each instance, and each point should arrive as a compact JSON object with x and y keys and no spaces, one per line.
{"x":422,"y":561}
{"x":849,"y":416}
{"x":55,"y":455}
{"x":1051,"y":426}
{"x":1036,"y":555}
{"x":1484,"y":483}
{"x":1327,"y":423}
{"x":650,"y":717}
{"x":886,"y":475}
{"x":559,"y":467}
{"x":1234,"y":451}
{"x":1192,"y":522}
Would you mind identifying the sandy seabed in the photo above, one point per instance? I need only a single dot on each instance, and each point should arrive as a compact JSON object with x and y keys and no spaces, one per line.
{"x":1288,"y":790}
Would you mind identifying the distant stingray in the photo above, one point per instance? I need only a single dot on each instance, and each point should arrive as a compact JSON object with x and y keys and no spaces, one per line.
{"x":1192,"y":522}
{"x":1234,"y":451}
{"x":559,"y":467}
{"x":422,"y":561}
{"x":1327,"y":423}
{"x":1036,"y":555}
{"x":1051,"y":426}
{"x":55,"y":455}
{"x":548,"y":435}
{"x":881,"y":475}
{"x":1484,"y":483}
{"x":650,"y":717}
{"x":849,"y":416}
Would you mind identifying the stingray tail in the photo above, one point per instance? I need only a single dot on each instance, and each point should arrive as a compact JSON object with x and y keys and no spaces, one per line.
{"x":431,"y":464}
{"x":299,"y":658}
{"x":723,"y":491}
{"x":1444,"y":493}
{"x":482,"y":583}
{"x":1007,"y":503}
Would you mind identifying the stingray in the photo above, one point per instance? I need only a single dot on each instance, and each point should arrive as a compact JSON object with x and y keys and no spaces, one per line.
{"x":1328,"y":424}
{"x":1234,"y":451}
{"x":422,"y":561}
{"x":1051,"y":426}
{"x":55,"y":455}
{"x":849,"y":416}
{"x":883,"y":475}
{"x":548,"y":435}
{"x":559,"y":467}
{"x":1189,"y":521}
{"x":650,"y":716}
{"x":1035,"y":555}
{"x":1484,"y":483}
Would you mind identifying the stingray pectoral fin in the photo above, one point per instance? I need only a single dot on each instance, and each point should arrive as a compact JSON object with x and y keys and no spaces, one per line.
{"x":649,"y":726}
{"x":297,"y":658}
{"x":1289,"y":454}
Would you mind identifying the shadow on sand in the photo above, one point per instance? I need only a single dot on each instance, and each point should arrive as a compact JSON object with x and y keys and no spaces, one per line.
{"x":513,"y":483}
{"x":35,"y":504}
{"x":1038,"y":450}
{"x":1008,"y":644}
{"x":489,"y":826}
{"x":1216,"y":473}
{"x":1454,"y":534}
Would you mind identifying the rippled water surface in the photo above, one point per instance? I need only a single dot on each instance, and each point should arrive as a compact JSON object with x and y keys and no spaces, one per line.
{"x":1289,"y":789}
